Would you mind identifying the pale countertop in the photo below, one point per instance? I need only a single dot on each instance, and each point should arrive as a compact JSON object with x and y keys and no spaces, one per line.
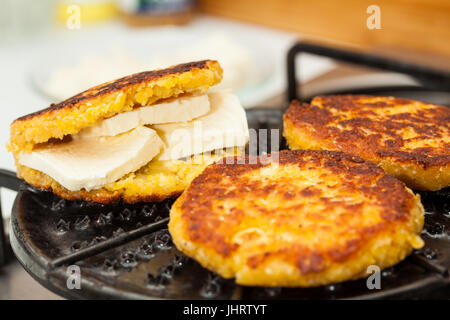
{"x":17,"y":284}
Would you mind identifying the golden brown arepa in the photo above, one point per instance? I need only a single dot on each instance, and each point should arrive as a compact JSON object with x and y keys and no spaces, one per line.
{"x":408,"y":139}
{"x":309,"y":218}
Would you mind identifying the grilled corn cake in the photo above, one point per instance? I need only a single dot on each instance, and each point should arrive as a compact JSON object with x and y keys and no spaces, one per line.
{"x":408,"y":139}
{"x":308,"y":218}
{"x":143,"y":137}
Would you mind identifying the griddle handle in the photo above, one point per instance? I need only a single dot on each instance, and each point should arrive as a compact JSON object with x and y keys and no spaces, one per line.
{"x":8,"y":179}
{"x":424,"y":74}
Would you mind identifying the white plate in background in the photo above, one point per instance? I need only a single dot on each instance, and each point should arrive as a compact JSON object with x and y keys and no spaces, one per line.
{"x":74,"y":67}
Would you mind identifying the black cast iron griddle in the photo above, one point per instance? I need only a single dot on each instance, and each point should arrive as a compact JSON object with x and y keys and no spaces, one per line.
{"x":125,"y":251}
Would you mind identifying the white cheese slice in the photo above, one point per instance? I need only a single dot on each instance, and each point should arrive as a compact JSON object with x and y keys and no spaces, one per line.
{"x":89,"y":163}
{"x":176,"y":110}
{"x":225,"y":126}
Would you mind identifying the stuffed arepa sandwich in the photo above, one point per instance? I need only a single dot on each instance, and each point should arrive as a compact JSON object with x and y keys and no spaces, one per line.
{"x":143,"y":137}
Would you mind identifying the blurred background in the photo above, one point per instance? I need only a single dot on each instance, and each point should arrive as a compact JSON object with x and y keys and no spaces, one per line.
{"x":53,"y":49}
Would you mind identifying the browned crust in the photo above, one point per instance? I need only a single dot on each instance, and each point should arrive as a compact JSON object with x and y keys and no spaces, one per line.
{"x":104,"y":196}
{"x":206,"y":227}
{"x":355,"y":124}
{"x":117,"y":85}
